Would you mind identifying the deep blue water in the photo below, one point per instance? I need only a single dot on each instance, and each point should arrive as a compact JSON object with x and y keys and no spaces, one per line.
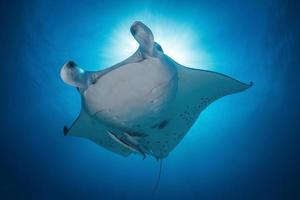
{"x":244,"y":146}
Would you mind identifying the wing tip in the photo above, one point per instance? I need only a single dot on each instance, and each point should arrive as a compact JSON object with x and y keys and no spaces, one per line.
{"x":245,"y":86}
{"x":249,"y":85}
{"x":65,"y":131}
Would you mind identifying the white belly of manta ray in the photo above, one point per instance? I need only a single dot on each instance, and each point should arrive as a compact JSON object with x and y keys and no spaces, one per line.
{"x":146,"y":103}
{"x":133,"y":93}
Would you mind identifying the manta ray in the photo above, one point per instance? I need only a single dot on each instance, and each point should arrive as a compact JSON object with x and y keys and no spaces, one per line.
{"x":145,"y":104}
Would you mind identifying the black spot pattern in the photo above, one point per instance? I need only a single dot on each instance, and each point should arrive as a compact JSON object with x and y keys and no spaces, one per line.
{"x":191,"y":112}
{"x":161,"y":146}
{"x":160,"y":125}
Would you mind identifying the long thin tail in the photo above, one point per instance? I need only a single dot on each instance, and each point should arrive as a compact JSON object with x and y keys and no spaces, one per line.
{"x":158,"y":179}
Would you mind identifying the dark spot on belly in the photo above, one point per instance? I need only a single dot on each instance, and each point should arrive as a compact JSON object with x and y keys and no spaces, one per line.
{"x":136,"y":134}
{"x":160,"y":125}
{"x":163,"y":124}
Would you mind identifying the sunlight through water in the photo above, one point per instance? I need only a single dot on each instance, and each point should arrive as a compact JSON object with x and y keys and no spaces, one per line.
{"x":178,"y":41}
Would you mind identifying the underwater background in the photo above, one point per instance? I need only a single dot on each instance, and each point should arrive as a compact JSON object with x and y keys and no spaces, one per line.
{"x":243,"y":146}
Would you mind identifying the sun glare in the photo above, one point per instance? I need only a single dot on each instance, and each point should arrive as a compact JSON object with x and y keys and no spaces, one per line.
{"x":177,"y":40}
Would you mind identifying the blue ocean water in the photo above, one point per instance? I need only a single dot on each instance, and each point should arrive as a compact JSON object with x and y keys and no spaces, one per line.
{"x":244,"y":146}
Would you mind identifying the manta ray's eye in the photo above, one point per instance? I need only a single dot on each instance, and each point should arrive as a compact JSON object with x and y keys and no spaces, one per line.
{"x":71,"y":64}
{"x":133,"y":31}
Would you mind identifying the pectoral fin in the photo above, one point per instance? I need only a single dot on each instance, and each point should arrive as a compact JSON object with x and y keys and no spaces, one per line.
{"x":88,"y":127}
